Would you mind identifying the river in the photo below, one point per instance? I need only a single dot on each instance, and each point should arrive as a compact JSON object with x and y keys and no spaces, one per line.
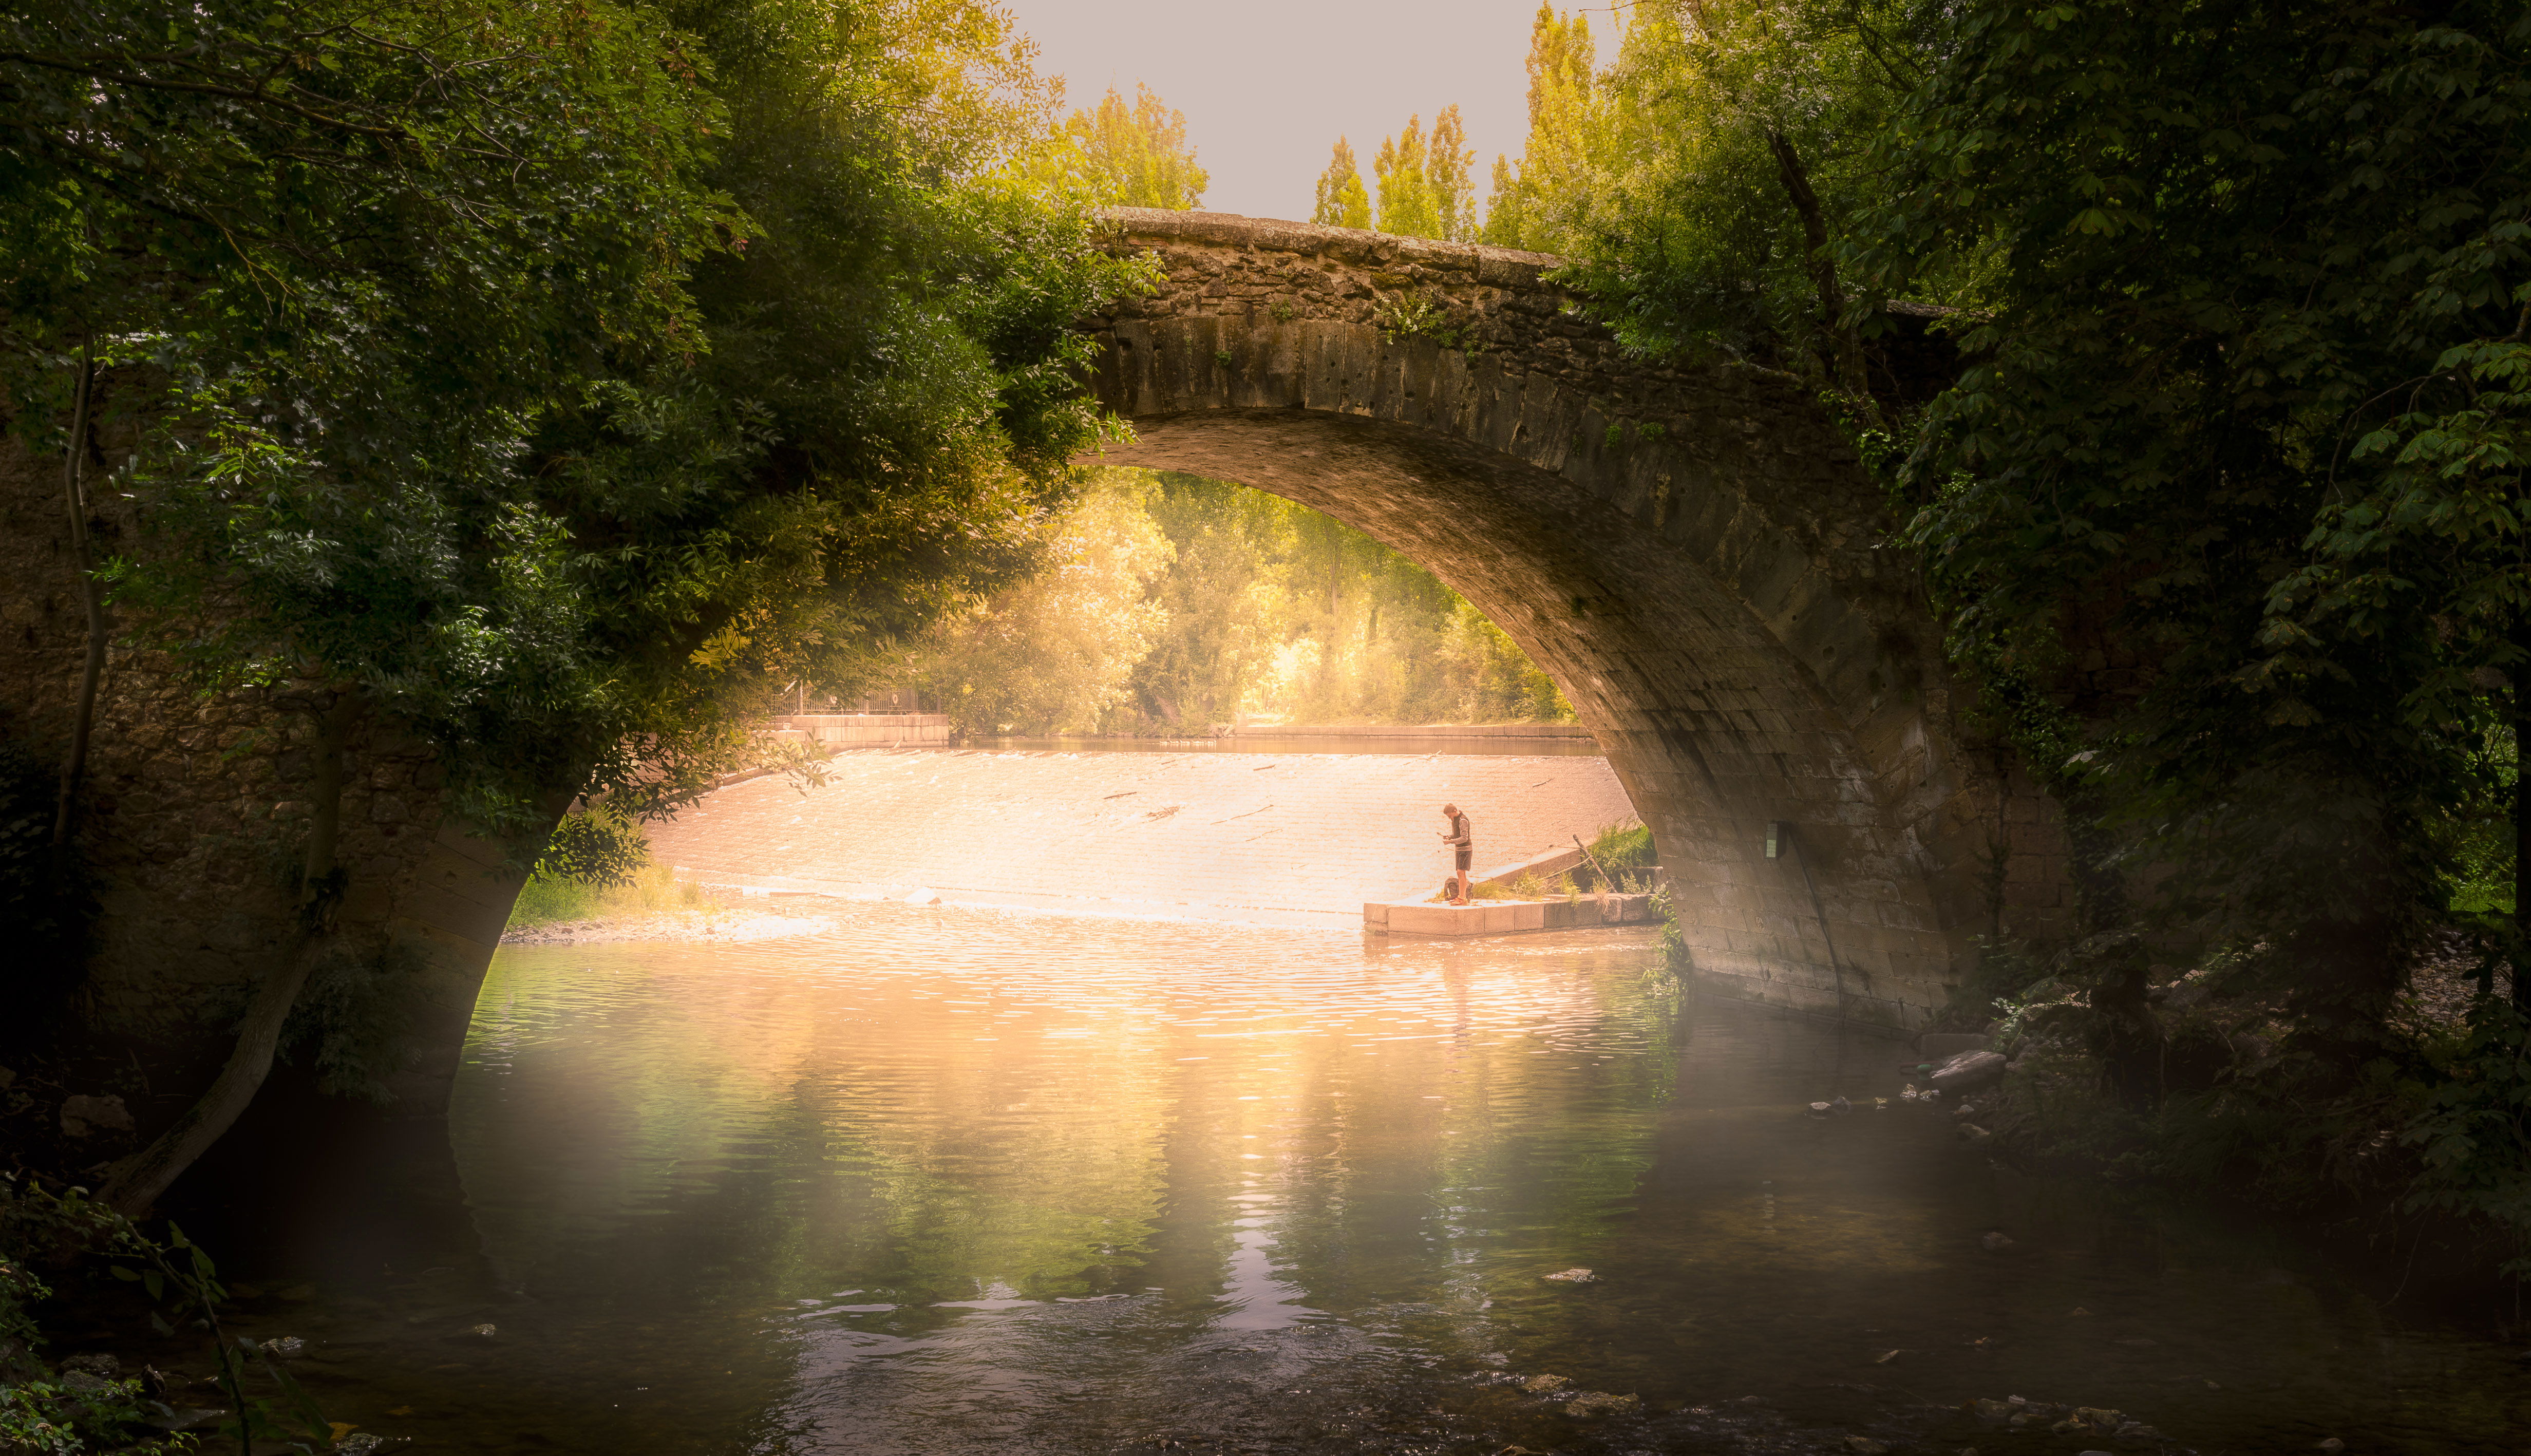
{"x":940,"y":1180}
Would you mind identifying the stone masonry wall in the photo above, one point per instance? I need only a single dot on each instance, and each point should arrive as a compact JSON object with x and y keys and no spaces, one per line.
{"x":194,"y":813}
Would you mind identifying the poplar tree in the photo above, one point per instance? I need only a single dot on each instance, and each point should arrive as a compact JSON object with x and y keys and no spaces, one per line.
{"x":1536,"y":202}
{"x":1407,"y":205}
{"x":1425,"y":188}
{"x":1343,"y":202}
{"x":1447,"y":170}
{"x":1130,"y":157}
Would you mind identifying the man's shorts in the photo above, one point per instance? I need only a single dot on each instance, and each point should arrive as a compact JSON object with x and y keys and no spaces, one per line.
{"x":1467,"y":858}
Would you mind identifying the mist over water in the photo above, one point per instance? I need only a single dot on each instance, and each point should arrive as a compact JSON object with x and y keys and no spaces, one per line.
{"x":961,"y":1181}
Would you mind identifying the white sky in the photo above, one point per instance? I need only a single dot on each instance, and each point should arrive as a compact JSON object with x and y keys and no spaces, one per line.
{"x":1267,"y":85}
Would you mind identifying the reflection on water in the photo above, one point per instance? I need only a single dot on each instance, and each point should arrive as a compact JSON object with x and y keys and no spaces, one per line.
{"x":961,"y":1181}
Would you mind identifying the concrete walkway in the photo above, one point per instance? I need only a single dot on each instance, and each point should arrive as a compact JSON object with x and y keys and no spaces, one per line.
{"x":1277,"y":839}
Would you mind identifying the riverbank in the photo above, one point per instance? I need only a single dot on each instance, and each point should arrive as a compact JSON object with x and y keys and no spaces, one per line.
{"x":721,"y":926}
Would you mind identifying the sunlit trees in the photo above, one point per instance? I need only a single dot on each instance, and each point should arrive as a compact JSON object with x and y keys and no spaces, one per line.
{"x":1541,"y":202}
{"x":1425,"y":188}
{"x":1249,"y":605}
{"x":1341,"y":200}
{"x":1118,"y":155}
{"x":1732,"y":151}
{"x":1054,"y":652}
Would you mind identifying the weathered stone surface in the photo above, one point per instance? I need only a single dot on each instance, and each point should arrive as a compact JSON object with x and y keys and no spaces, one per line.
{"x":1692,"y":551}
{"x":83,"y":1116}
{"x":1969,"y":1071}
{"x":192,"y":814}
{"x":1941,"y":1046}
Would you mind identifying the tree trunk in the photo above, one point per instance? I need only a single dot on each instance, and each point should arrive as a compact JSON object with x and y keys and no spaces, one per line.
{"x":84,"y":717}
{"x":139,"y":1180}
{"x":1845,"y":348}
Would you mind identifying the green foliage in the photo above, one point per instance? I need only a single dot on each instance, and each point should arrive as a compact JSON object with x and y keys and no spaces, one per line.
{"x":556,"y":375}
{"x":2469,"y":1124}
{"x":652,"y":891}
{"x":1341,"y":201}
{"x":1054,"y":652}
{"x":1176,"y":603}
{"x":1538,"y":202}
{"x":598,"y":846}
{"x":1702,"y":181}
{"x":1624,"y":846}
{"x":42,"y":1418}
{"x":1124,"y":156}
{"x":1414,"y":316}
{"x":2196,"y":294}
{"x":351,"y":1021}
{"x":59,"y":1416}
{"x":1424,"y":186}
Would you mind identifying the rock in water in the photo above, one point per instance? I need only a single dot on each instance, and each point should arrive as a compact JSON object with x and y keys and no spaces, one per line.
{"x":1995,"y":1241}
{"x":1573,"y":1276}
{"x":1969,"y":1071}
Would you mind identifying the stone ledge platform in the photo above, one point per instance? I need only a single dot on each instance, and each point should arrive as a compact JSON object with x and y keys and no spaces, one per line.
{"x":1506,"y":916}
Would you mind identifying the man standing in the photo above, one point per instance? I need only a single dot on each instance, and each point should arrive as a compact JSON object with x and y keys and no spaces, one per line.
{"x":1462,"y":837}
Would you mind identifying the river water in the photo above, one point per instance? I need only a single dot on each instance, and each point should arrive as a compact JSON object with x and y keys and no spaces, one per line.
{"x":962,"y":1181}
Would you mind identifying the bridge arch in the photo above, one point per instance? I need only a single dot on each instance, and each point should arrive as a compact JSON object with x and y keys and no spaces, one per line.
{"x":1690,"y":551}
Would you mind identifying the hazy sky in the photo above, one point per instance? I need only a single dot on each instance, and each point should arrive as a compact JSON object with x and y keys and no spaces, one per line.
{"x":1267,"y":85}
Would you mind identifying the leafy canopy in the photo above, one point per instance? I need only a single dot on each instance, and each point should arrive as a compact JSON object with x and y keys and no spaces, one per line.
{"x":558,"y":378}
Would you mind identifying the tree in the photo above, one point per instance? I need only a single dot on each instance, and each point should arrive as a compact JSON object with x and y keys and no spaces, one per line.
{"x":1709,"y":182}
{"x":2248,"y":398}
{"x":1454,"y":196}
{"x":1341,"y":201}
{"x":1054,"y":653}
{"x":1122,"y":156}
{"x":1424,"y":190}
{"x":547,"y":378}
{"x":1540,"y":202}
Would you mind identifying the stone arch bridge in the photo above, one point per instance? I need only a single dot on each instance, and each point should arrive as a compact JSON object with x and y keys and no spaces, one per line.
{"x":1690,"y":550}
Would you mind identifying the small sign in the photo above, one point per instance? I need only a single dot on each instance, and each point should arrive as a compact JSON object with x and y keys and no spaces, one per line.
{"x":1779,"y":837}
